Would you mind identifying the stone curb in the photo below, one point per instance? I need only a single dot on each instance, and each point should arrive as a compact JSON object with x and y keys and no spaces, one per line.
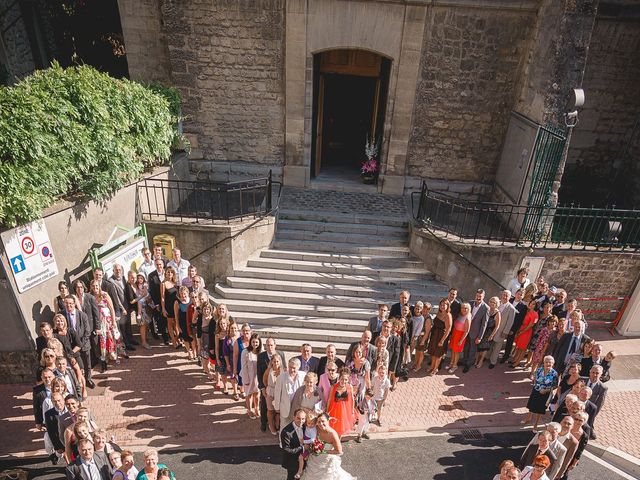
{"x":619,"y":459}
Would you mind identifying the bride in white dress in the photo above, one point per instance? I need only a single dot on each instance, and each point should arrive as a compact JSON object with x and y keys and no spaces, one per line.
{"x":326,"y":466}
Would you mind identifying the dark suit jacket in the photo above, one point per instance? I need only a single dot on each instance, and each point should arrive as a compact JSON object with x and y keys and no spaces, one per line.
{"x":598,"y":395}
{"x":65,"y":420}
{"x":291,"y":447}
{"x":530,"y":453}
{"x":76,"y":471}
{"x":39,"y":395}
{"x":396,"y":310}
{"x":119,"y":301}
{"x":591,"y":410}
{"x":90,"y":309}
{"x":313,"y":364}
{"x":479,"y":321}
{"x":51,"y":422}
{"x":154,"y":287}
{"x":323,"y":364}
{"x":263,"y":365}
{"x":77,"y":388}
{"x":83,"y":328}
{"x":394,"y":348}
{"x":563,"y":347}
{"x":372,"y":353}
{"x":373,"y":328}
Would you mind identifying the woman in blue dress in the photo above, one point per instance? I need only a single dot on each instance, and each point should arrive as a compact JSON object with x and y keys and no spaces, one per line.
{"x":545,"y":381}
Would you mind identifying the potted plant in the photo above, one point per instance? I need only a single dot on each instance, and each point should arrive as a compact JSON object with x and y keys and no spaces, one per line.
{"x":369,"y":168}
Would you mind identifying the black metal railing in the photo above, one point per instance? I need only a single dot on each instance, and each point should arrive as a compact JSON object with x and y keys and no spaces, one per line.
{"x":204,"y":202}
{"x":564,"y":227}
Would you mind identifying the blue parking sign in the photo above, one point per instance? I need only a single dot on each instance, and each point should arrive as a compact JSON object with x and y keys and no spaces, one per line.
{"x":17,"y":263}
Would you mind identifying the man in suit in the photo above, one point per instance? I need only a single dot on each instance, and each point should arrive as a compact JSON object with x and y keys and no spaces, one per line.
{"x":555,"y":445}
{"x":40,"y":393}
{"x":589,"y":407}
{"x":570,"y":443}
{"x":569,"y":344}
{"x":69,"y":376}
{"x":264,"y":358}
{"x":308,"y":363}
{"x":88,"y":466}
{"x":375,"y":323}
{"x":69,"y":417}
{"x":79,"y":323}
{"x":51,"y":422}
{"x":155,"y":281}
{"x":396,"y":308}
{"x":370,"y":352}
{"x":521,"y":312}
{"x":119,"y":281}
{"x":286,"y":386}
{"x":291,"y":441}
{"x":507,"y":314}
{"x":330,"y":356}
{"x":541,"y":447}
{"x":599,"y":393}
{"x":479,"y":319}
{"x":393,"y":347}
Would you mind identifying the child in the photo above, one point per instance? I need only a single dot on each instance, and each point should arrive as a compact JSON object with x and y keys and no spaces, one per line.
{"x":381,"y":386}
{"x":606,"y":365}
{"x":366,"y":410}
{"x":310,"y":434}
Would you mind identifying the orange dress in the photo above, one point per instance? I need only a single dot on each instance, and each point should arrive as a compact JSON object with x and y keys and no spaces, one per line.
{"x":523,"y":339}
{"x":340,"y":407}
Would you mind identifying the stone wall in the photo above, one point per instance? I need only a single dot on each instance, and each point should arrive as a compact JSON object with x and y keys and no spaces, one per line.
{"x":606,"y":141}
{"x":471,"y":62}
{"x":582,"y":274}
{"x":227,"y":59}
{"x":19,"y":60}
{"x":145,"y":43}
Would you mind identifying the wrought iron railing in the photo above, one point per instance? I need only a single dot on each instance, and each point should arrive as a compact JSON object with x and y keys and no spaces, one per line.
{"x":563,"y":227}
{"x":204,"y":202}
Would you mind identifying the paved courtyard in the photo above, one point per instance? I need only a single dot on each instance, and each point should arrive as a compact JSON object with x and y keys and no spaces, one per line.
{"x":158,"y":398}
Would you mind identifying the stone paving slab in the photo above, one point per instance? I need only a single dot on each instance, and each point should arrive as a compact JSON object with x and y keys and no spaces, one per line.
{"x":158,"y":398}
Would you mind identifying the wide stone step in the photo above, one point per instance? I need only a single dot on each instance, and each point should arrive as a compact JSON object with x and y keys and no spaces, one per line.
{"x":301,"y":321}
{"x":405,"y":280}
{"x":362,"y":312}
{"x":340,"y":247}
{"x":323,"y":289}
{"x":407,"y":267}
{"x":350,"y":228}
{"x":303,"y":335}
{"x":340,"y":217}
{"x":330,"y":237}
{"x":345,"y":258}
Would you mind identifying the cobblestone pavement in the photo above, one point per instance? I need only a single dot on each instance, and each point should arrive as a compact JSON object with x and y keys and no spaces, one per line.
{"x":158,"y":398}
{"x":343,"y":202}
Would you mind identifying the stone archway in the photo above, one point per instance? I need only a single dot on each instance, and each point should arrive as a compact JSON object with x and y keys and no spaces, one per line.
{"x":392,"y":30}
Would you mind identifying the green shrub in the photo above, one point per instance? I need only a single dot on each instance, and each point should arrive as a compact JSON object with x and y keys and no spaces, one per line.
{"x":172,"y":94}
{"x":76,"y":131}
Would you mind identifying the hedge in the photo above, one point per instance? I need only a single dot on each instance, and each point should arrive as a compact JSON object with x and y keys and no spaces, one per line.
{"x":76,"y":131}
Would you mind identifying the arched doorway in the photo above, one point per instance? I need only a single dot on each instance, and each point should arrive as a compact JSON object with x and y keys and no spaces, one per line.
{"x":350,"y":94}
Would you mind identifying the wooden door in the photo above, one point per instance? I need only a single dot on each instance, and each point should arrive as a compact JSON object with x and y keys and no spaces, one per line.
{"x":319,"y":125}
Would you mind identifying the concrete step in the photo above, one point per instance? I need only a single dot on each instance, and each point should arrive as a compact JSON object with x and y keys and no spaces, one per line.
{"x":339,"y":217}
{"x":348,"y":258}
{"x":377,"y":291}
{"x":331,"y":237}
{"x":301,"y":321}
{"x":408,"y":281}
{"x":361,"y":312}
{"x":296,"y":298}
{"x":340,"y":247}
{"x":408,"y":267}
{"x":303,"y":335}
{"x":335,"y":227}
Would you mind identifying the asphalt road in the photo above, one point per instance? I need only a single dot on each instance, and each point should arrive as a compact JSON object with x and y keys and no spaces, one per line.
{"x":432,"y":457}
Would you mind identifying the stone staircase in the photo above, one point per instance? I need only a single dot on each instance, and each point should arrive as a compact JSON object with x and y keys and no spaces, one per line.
{"x":327,"y":270}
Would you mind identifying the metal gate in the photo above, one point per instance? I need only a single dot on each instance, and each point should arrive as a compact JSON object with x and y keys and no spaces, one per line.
{"x":547,"y":154}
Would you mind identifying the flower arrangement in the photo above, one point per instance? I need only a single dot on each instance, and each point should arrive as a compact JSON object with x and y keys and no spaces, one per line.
{"x":317,"y":447}
{"x":370,"y":166}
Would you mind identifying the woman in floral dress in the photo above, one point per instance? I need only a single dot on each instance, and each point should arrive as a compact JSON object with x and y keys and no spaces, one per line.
{"x":109,"y":338}
{"x":545,"y":381}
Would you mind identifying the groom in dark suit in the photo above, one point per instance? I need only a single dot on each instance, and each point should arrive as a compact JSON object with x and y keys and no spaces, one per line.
{"x":291,"y":441}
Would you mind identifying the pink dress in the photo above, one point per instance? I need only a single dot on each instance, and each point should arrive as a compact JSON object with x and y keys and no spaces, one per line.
{"x":106,"y":338}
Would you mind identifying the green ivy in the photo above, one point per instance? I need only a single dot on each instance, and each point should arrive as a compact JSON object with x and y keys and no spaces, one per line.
{"x":76,"y":131}
{"x":172,"y":94}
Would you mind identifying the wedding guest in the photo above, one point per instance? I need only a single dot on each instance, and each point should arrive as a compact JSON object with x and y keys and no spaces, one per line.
{"x":507,"y":316}
{"x":126,"y":469}
{"x":286,"y":386}
{"x":264,"y":359}
{"x":381,"y":386}
{"x":360,"y":372}
{"x":537,"y":470}
{"x":270,"y":378}
{"x":328,"y":380}
{"x":291,"y":438}
{"x":366,"y":408}
{"x":46,"y":334}
{"x":504,"y":467}
{"x":521,"y":311}
{"x":536,"y":449}
{"x":340,"y":405}
{"x":151,"y":466}
{"x":396,"y":308}
{"x":545,"y":380}
{"x":308,"y":363}
{"x":228,"y":345}
{"x":87,"y":464}
{"x":541,"y":343}
{"x":238,"y":347}
{"x":308,"y":396}
{"x":249,"y":373}
{"x":330,"y":356}
{"x":421,"y":330}
{"x":439,"y":333}
{"x":375,"y":323}
{"x":493,"y":324}
{"x":479,"y":317}
{"x":521,"y":280}
{"x":382,"y":357}
{"x":458,"y":337}
{"x":524,"y":334}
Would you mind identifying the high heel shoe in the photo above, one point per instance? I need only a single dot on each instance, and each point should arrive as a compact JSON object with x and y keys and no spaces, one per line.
{"x":103,"y":366}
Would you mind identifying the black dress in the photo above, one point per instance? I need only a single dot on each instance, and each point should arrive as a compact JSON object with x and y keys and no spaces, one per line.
{"x":485,"y":343}
{"x":170,"y":298}
{"x":437,"y":335}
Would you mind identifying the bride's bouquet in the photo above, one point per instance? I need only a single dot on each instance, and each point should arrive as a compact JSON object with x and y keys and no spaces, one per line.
{"x":317,"y":447}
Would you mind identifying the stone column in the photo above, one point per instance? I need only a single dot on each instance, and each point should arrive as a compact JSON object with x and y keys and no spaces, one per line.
{"x":405,"y":88}
{"x":296,"y":173}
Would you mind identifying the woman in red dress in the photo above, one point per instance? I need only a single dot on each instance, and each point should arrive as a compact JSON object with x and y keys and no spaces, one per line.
{"x":340,"y":406}
{"x":523,"y":337}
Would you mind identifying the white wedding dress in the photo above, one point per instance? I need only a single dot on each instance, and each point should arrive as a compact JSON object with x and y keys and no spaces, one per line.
{"x":325,"y":467}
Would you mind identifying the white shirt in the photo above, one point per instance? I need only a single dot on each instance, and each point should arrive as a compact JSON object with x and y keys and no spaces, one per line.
{"x":515,"y":285}
{"x":182,"y":269}
{"x":146,"y":268}
{"x":292,"y":386}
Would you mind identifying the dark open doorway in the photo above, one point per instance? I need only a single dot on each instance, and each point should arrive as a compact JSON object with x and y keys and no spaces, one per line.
{"x":350,"y":91}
